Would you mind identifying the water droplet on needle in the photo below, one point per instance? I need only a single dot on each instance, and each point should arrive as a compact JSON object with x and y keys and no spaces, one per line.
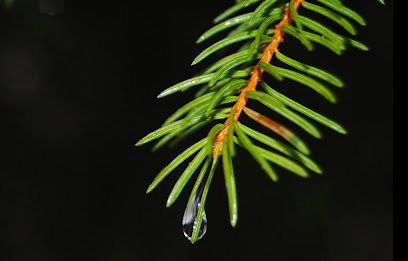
{"x":189,"y":219}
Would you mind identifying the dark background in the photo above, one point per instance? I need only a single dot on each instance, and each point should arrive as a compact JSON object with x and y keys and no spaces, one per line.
{"x":79,"y":88}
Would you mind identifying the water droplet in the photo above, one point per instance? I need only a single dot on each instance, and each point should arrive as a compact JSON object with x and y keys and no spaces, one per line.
{"x":190,"y":214}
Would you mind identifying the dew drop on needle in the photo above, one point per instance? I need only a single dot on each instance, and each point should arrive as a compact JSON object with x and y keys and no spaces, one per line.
{"x":190,"y":217}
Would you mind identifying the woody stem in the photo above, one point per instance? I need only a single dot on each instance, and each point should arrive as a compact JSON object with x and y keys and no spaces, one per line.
{"x":256,"y":73}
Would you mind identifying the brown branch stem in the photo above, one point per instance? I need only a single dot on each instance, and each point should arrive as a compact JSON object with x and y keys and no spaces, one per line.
{"x":256,"y":73}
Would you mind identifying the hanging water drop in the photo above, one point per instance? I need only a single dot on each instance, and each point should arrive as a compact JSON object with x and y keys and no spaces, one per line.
{"x":190,"y":217}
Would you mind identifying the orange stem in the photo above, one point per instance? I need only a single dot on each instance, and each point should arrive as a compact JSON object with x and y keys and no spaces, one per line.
{"x":256,"y":73}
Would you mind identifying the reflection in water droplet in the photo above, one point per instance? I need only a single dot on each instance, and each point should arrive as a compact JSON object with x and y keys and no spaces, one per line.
{"x":189,"y":218}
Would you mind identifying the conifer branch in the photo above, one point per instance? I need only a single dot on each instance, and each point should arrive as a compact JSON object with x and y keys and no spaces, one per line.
{"x":226,"y":86}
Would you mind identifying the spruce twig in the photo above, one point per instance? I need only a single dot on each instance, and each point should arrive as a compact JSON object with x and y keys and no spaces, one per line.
{"x":235,"y":78}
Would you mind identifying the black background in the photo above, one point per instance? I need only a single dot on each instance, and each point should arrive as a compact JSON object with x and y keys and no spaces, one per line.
{"x":78,"y":89}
